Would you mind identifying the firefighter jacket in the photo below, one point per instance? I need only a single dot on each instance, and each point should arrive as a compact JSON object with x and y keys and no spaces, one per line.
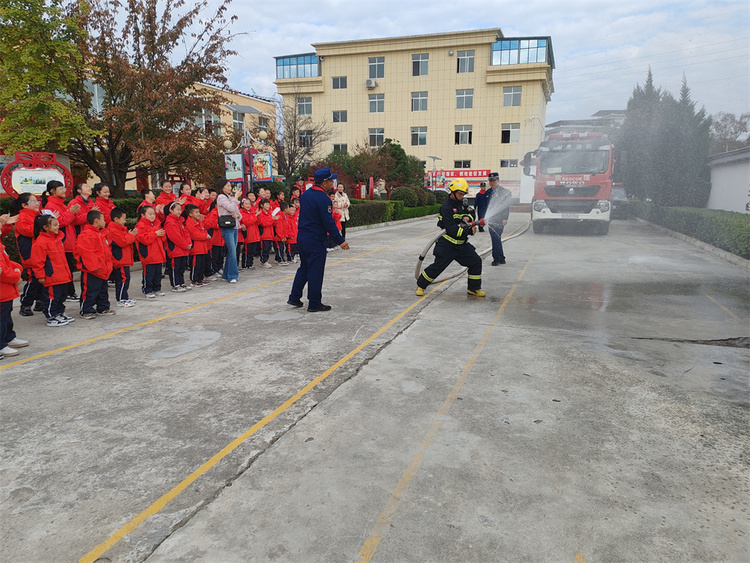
{"x":454,"y":218}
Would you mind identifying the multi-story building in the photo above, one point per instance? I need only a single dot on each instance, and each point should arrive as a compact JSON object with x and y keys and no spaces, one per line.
{"x":465,"y":103}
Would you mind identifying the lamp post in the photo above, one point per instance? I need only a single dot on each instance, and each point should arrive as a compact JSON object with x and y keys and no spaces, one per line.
{"x":432,"y":180}
{"x":245,"y":142}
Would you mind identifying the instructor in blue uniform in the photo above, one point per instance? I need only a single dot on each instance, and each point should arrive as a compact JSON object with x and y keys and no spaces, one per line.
{"x":315,"y":223}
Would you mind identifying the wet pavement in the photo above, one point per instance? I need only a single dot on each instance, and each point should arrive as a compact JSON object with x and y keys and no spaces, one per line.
{"x":593,"y":407}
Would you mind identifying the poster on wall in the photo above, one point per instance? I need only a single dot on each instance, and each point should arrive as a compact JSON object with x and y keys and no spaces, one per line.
{"x":262,"y":169}
{"x":233,"y":167}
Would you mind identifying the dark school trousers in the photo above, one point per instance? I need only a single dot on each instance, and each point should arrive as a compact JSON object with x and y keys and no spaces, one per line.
{"x":7,"y":334}
{"x":177,"y":273}
{"x":54,"y":300}
{"x":445,"y":253}
{"x":312,"y":256}
{"x":121,"y":276}
{"x":217,"y":258}
{"x":198,"y":267}
{"x":72,"y":266}
{"x":151,"y":278}
{"x":94,"y":294}
{"x":265,"y":250}
{"x":32,"y":291}
{"x":249,"y":252}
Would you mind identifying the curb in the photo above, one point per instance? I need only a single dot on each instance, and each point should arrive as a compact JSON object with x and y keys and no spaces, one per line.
{"x":718,"y":252}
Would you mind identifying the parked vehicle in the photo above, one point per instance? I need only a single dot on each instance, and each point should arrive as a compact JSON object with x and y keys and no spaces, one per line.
{"x":619,"y":201}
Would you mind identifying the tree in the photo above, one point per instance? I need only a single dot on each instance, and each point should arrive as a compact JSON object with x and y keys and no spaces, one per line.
{"x":40,"y":64}
{"x":729,"y":132}
{"x":145,"y":73}
{"x":299,"y":137}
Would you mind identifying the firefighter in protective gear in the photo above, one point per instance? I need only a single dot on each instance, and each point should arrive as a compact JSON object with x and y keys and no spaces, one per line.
{"x":456,"y":218}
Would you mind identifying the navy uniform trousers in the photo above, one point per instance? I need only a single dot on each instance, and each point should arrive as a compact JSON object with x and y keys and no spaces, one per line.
{"x":446,"y":252}
{"x":312,"y":256}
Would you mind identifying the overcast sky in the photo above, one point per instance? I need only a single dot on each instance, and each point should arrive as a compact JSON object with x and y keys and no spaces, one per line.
{"x":602,"y":48}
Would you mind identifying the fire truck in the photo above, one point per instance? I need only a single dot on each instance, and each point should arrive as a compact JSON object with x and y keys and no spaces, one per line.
{"x":573,"y":180}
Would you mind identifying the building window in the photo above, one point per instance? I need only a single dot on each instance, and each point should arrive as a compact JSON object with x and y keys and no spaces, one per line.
{"x":419,"y":101}
{"x":377,"y":137}
{"x":306,"y":138}
{"x":465,"y":99}
{"x":342,"y":148}
{"x":465,"y":62}
{"x":511,"y":133}
{"x":508,"y":164}
{"x":511,"y":96}
{"x":419,"y":64}
{"x":463,"y":134}
{"x":521,"y":51}
{"x":419,"y":136}
{"x":210,"y":122}
{"x":339,"y":82}
{"x":298,"y":66}
{"x":263,"y":124}
{"x":377,"y":67}
{"x":339,"y":116}
{"x":238,"y":121}
{"x":304,"y":106}
{"x":461,"y":164}
{"x":377,"y":103}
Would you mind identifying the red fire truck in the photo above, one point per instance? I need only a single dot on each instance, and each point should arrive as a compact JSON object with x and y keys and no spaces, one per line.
{"x":573,"y":180}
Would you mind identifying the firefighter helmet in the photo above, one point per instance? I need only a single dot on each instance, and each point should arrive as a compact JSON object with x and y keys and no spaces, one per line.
{"x":459,"y":185}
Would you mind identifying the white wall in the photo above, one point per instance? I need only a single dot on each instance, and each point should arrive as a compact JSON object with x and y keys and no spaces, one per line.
{"x":730,"y":186}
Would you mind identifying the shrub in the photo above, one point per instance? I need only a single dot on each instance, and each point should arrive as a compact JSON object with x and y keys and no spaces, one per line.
{"x":727,"y":230}
{"x":366,"y":212}
{"x":407,"y":195}
{"x":421,"y":194}
{"x":431,"y":199}
{"x":440,"y":196}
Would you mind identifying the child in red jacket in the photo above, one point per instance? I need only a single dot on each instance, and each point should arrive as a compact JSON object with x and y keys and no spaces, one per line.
{"x":121,"y":245}
{"x":282,"y":234}
{"x":336,"y":219}
{"x":51,"y":268}
{"x":150,"y":239}
{"x":94,"y":260}
{"x":53,"y":200}
{"x":26,"y":206}
{"x":10,"y":274}
{"x":292,"y":218}
{"x":178,"y":246}
{"x":201,"y":244}
{"x":249,"y":233}
{"x":218,"y":246}
{"x":267,"y":221}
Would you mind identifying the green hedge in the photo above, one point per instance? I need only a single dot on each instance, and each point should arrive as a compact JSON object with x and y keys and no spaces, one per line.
{"x":727,"y":230}
{"x":364,"y":212}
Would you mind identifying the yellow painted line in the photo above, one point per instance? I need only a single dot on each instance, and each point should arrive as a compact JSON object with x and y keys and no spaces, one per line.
{"x":100,"y":549}
{"x":182,"y":311}
{"x":727,"y":311}
{"x":579,"y":558}
{"x":384,"y":520}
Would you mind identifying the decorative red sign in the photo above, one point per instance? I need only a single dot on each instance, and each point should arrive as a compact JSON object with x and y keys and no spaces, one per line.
{"x":34,"y":163}
{"x":467,"y":173}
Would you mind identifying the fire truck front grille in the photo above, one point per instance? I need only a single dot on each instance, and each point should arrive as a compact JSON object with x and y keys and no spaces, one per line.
{"x":571,"y":205}
{"x":571,"y":191}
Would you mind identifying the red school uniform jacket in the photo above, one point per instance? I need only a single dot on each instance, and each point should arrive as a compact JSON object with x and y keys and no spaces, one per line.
{"x":250,"y":220}
{"x":48,"y":259}
{"x":212,"y":222}
{"x":281,"y":227}
{"x":266,"y":220}
{"x":10,"y":273}
{"x":177,"y":238}
{"x":336,"y":218}
{"x":80,"y":220}
{"x":165,"y":200}
{"x":120,"y":245}
{"x":66,"y":219}
{"x":92,"y":252}
{"x":199,"y":235}
{"x":105,"y":206}
{"x":25,"y":234}
{"x":292,"y":222}
{"x":150,"y":246}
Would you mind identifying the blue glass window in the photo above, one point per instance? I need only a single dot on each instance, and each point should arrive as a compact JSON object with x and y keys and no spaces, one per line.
{"x":297,"y":66}
{"x":521,"y":51}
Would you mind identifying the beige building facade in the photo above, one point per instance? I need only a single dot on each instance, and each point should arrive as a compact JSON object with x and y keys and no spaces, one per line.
{"x":465,"y":103}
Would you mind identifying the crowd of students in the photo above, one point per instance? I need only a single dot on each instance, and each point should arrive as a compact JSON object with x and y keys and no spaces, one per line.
{"x":174,"y":234}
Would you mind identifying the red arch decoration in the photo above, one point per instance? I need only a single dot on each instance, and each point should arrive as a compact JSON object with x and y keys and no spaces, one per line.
{"x":33,"y":161}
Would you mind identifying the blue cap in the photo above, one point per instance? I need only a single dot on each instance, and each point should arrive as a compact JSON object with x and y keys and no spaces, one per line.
{"x":493,"y":176}
{"x":323,"y":174}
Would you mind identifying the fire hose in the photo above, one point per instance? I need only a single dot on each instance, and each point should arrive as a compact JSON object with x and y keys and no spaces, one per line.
{"x":422,"y":255}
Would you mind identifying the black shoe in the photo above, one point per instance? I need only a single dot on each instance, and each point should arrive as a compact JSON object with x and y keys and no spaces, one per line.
{"x":26,"y":312}
{"x":73,"y":297}
{"x":39,"y":307}
{"x":295,"y":303}
{"x":498,"y":262}
{"x":319,"y":309}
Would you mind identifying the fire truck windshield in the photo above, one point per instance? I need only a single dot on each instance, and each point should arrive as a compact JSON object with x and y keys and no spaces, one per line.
{"x":574,"y":162}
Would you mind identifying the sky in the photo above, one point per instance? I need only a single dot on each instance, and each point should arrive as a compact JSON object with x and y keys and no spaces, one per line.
{"x":602,"y":48}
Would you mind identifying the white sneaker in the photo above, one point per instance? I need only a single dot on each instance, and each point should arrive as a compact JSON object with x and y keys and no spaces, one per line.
{"x":8,"y":351}
{"x":150,"y":296}
{"x":160,"y":293}
{"x":187,"y":287}
{"x":126,"y":303}
{"x":232,"y":281}
{"x":266,"y":265}
{"x":18,"y":343}
{"x":56,"y":321}
{"x":283,"y":263}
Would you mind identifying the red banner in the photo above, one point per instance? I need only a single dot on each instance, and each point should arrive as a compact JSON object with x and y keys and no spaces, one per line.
{"x":467,"y":173}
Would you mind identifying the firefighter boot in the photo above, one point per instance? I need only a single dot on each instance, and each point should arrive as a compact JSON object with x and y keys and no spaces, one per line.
{"x":475,"y":292}
{"x":419,"y":292}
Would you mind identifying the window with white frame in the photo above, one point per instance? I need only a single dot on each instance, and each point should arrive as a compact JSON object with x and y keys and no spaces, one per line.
{"x":306,"y":138}
{"x":419,"y":64}
{"x":461,"y":164}
{"x":238,"y":121}
{"x":511,"y":133}
{"x":377,"y":137}
{"x":339,"y":116}
{"x":418,"y":136}
{"x":465,"y":62}
{"x":377,"y":67}
{"x":465,"y":99}
{"x":304,"y":105}
{"x":509,"y":164}
{"x":419,"y":101}
{"x":209,"y":122}
{"x":511,"y":96}
{"x":263,"y":124}
{"x":340,"y":148}
{"x":377,"y":103}
{"x":339,"y":82}
{"x":463,"y":134}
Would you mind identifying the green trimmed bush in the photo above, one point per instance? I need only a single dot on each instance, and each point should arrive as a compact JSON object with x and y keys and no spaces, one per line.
{"x":406,"y":195}
{"x":431,"y":199}
{"x":440,"y":196}
{"x":727,"y":230}
{"x":421,"y":194}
